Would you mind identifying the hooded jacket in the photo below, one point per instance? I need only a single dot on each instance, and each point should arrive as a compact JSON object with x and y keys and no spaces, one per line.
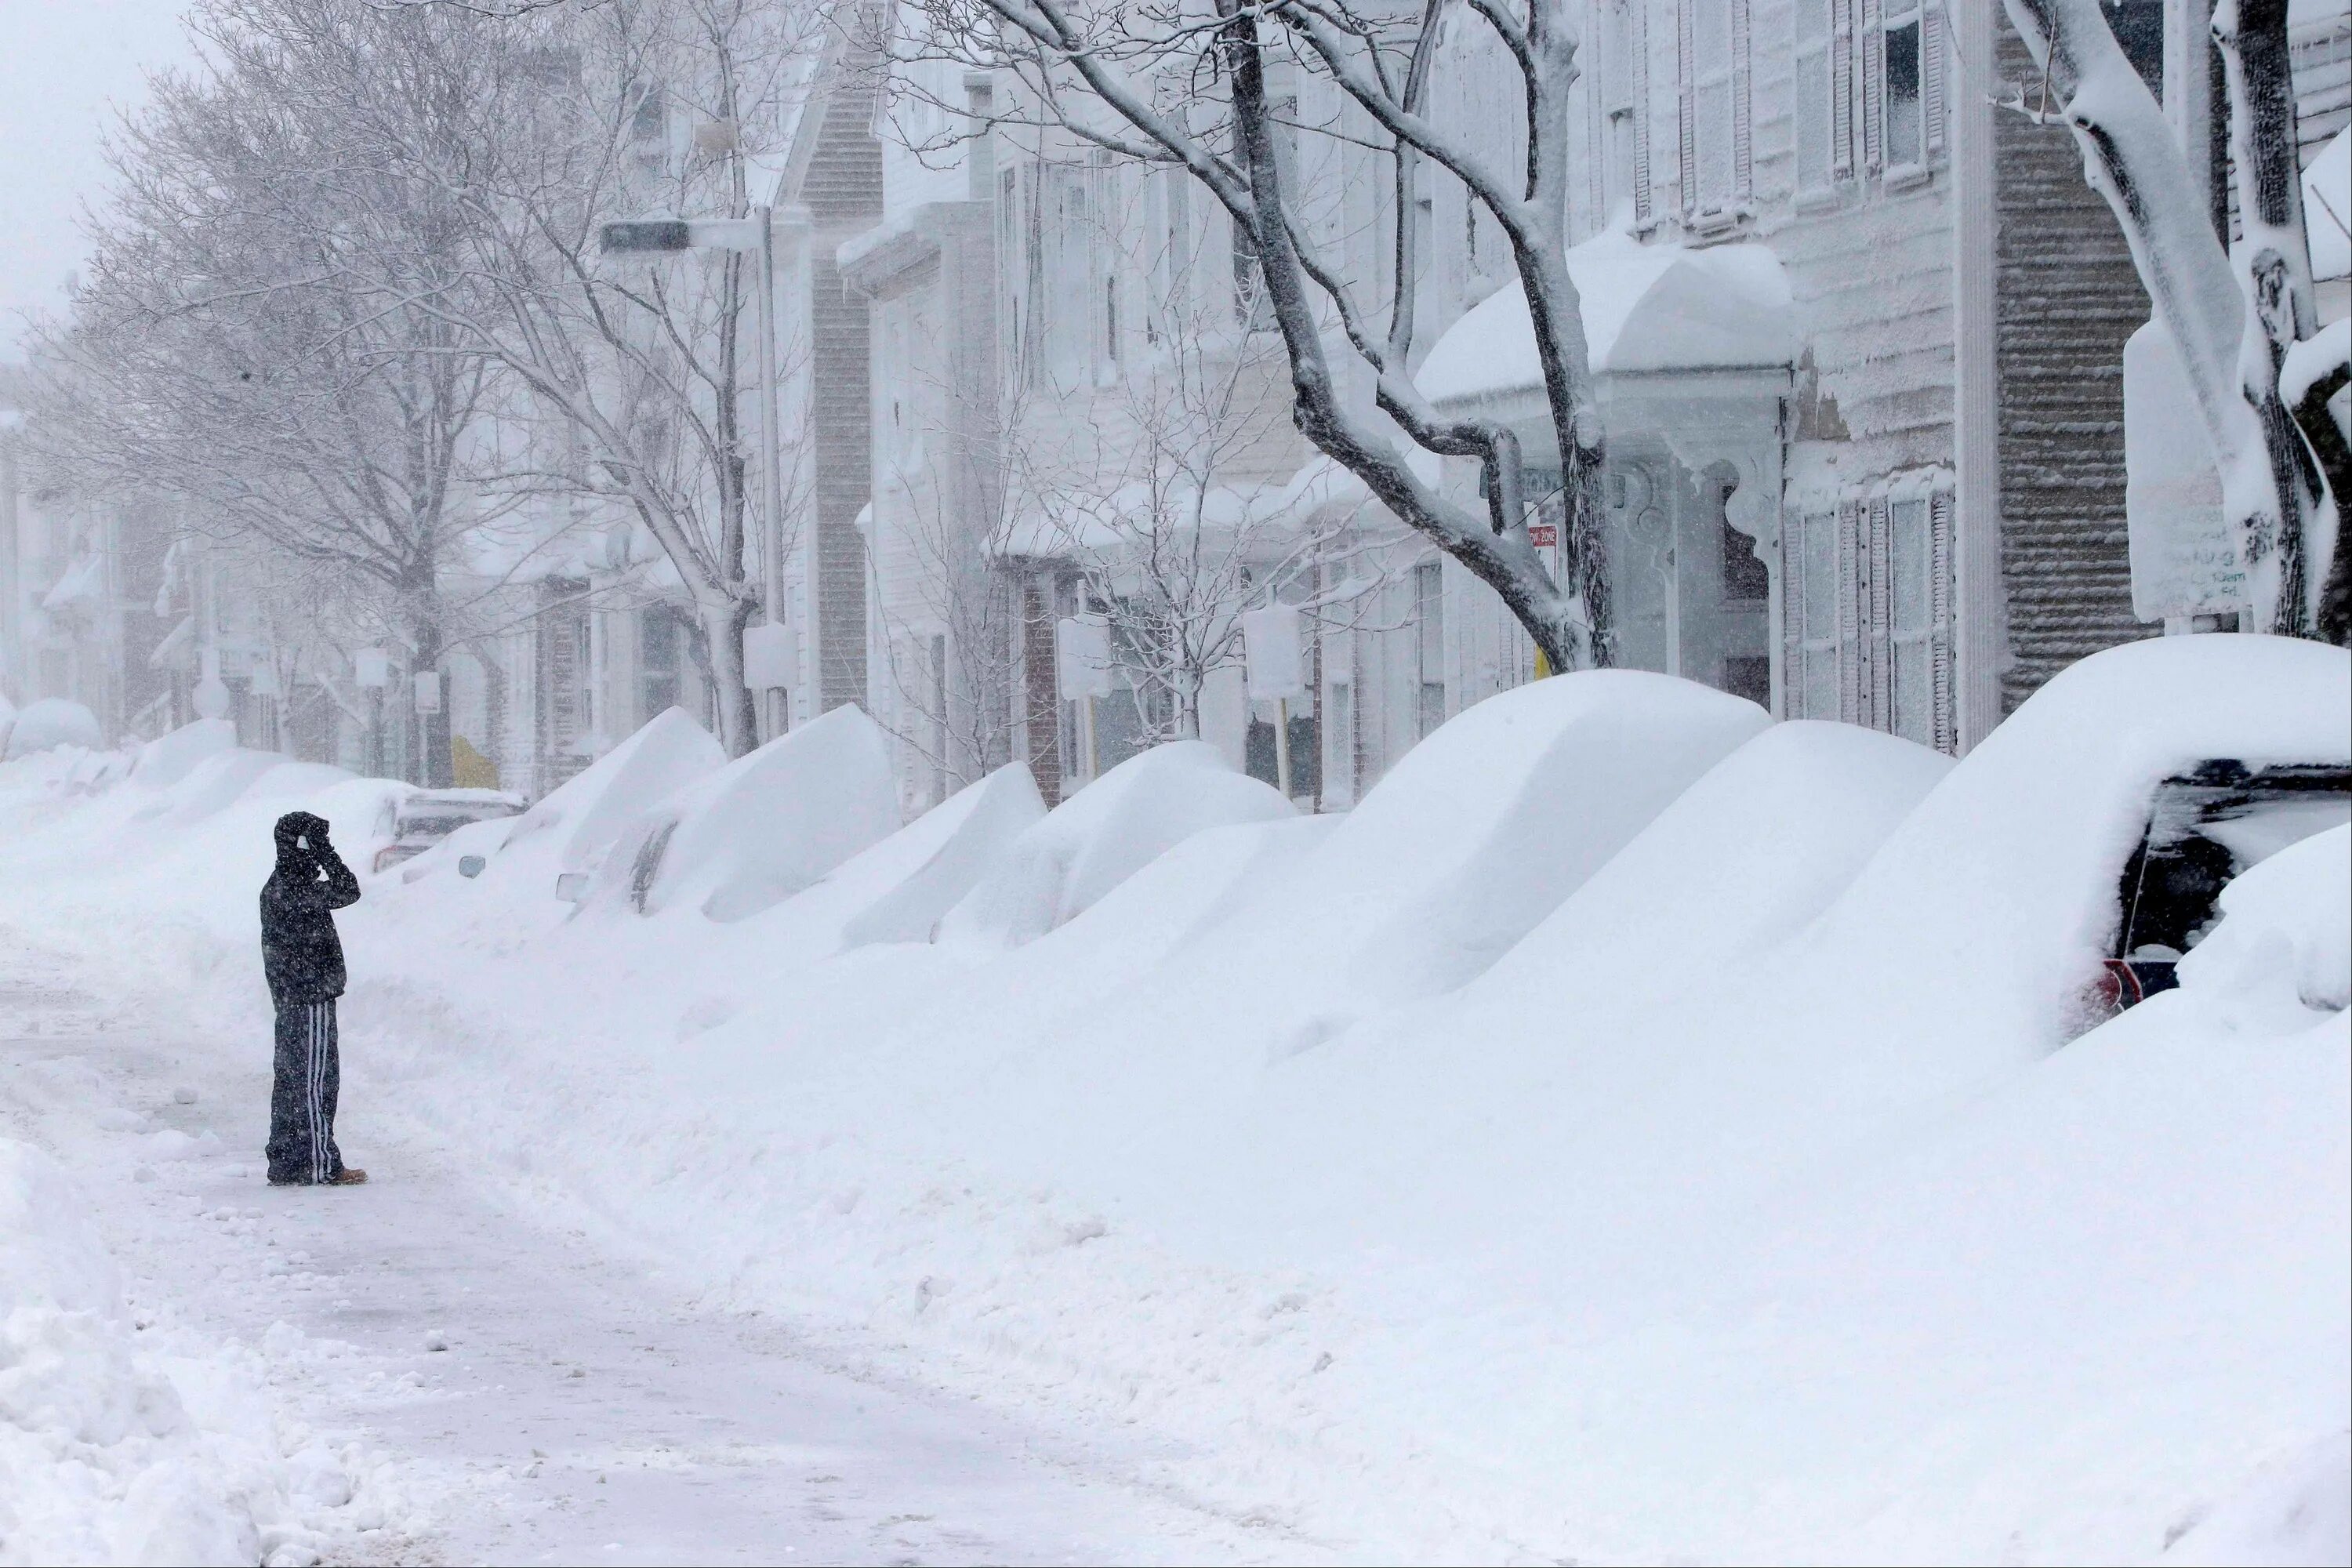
{"x":301,"y":953}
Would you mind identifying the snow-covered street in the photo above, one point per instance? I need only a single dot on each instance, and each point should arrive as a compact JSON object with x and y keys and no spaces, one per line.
{"x":1212,"y":1182}
{"x":482,"y":1389}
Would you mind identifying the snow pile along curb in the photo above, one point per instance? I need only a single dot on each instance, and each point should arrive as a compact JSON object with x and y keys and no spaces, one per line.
{"x":101,"y":1459}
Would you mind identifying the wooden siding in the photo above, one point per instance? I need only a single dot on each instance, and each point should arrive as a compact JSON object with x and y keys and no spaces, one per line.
{"x":2067,"y":297}
{"x":843,"y":191}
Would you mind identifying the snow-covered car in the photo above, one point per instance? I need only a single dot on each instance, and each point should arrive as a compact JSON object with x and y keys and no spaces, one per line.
{"x":424,"y":817}
{"x":2207,"y":825}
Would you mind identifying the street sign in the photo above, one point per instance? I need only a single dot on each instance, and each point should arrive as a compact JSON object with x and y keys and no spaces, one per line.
{"x":371,"y":667}
{"x":670,"y":236}
{"x":1082,"y":657}
{"x":770,"y":655}
{"x":2184,"y":555}
{"x":655,"y":235}
{"x":1271,"y":640}
{"x":1544,"y":535}
{"x":428,"y":692}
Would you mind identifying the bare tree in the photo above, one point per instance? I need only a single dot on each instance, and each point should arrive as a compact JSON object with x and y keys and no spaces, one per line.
{"x":2234,"y":312}
{"x":263,"y":327}
{"x":1194,"y":89}
{"x":1172,"y":536}
{"x":630,"y":108}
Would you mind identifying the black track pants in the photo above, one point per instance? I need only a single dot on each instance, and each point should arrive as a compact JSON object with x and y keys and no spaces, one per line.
{"x":302,"y":1098}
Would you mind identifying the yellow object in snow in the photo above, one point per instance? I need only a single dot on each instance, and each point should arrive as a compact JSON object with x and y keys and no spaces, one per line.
{"x":468,"y":769}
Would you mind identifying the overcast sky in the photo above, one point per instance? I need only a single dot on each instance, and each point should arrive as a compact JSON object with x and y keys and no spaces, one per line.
{"x":65,"y":66}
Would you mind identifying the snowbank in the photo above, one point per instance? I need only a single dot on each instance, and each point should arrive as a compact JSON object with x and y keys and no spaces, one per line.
{"x":52,"y":722}
{"x":2289,"y":918}
{"x":1629,"y":1090}
{"x":588,"y":812}
{"x":762,"y":827}
{"x":1105,"y":833}
{"x":99,"y":1461}
{"x":166,"y":760}
{"x":902,"y":888}
{"x":1485,"y":827}
{"x":1739,"y":862}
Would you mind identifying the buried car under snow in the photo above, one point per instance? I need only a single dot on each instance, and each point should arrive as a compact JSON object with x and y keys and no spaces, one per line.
{"x":420,"y":819}
{"x":1979,"y":935}
{"x":2207,"y":826}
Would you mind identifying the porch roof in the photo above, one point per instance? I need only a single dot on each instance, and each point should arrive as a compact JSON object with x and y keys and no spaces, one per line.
{"x":1645,"y":307}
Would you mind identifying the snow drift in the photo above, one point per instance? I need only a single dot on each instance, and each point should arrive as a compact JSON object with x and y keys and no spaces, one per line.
{"x":1105,"y":833}
{"x":762,"y":827}
{"x":1628,"y":1090}
{"x":51,"y":722}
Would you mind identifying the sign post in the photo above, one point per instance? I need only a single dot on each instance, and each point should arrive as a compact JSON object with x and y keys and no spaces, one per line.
{"x":1272,"y":642}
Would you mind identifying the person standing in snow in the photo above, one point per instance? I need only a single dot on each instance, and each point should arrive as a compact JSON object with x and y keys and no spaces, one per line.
{"x":303,"y":960}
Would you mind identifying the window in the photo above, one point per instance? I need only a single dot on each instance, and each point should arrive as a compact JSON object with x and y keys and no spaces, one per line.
{"x":1429,"y":623}
{"x":1714,"y":61}
{"x":1906,"y":136}
{"x":1869,"y":79}
{"x":1868,"y":607}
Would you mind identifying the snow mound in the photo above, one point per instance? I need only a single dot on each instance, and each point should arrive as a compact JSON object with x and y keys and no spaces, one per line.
{"x":762,"y":828}
{"x":897,"y":890}
{"x":166,"y":760}
{"x":667,"y":752}
{"x":52,"y":722}
{"x":1486,"y":827}
{"x":1745,"y":858}
{"x":98,"y":1459}
{"x":924,"y":870}
{"x":2290,"y":916}
{"x":2297,"y":1514}
{"x":1103,"y":835}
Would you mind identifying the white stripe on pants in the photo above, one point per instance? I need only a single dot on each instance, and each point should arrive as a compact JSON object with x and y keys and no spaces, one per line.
{"x":317,"y":1085}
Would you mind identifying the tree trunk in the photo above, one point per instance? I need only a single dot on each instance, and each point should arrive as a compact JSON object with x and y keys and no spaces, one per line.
{"x":722,"y":633}
{"x":2273,"y":262}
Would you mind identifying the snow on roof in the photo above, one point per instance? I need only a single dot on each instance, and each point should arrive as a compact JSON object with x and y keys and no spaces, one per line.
{"x":82,"y":580}
{"x":1645,"y":307}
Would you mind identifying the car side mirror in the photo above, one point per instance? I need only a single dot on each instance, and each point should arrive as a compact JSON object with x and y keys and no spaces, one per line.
{"x":470,"y":865}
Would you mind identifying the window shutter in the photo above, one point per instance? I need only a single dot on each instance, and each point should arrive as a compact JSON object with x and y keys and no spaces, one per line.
{"x":1931,"y":77}
{"x":1792,"y":616}
{"x":1644,"y":200}
{"x":1841,"y":126}
{"x":1852,"y":585}
{"x":1743,"y":179}
{"x":1941,"y":596}
{"x":1881,"y":611}
{"x":1686,"y":108}
{"x":1874,"y":87}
